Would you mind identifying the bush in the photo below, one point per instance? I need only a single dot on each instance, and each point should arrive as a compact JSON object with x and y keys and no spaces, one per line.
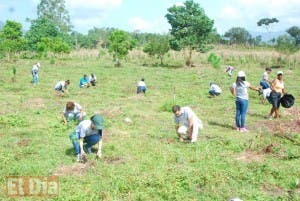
{"x":214,"y":60}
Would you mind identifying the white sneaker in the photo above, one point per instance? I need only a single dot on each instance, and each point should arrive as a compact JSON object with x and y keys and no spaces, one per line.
{"x":78,"y":159}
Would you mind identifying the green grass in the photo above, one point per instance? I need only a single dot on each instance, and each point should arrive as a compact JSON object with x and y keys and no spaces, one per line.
{"x":144,"y":160}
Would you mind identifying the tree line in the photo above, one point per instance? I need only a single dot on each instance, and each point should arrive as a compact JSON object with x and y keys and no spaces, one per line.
{"x":191,"y":29}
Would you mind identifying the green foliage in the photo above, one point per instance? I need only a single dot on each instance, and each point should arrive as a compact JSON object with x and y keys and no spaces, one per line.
{"x":190,"y":26}
{"x":238,"y":35}
{"x":40,"y":28}
{"x":11,"y":38}
{"x":14,"y":120}
{"x":158,"y":46}
{"x":267,"y":21}
{"x":214,"y":60}
{"x":14,"y":70}
{"x":55,"y":45}
{"x":294,"y":32}
{"x":55,"y":11}
{"x":119,"y":44}
{"x":286,"y":44}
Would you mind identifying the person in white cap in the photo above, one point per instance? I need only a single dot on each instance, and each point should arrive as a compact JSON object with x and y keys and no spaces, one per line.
{"x":278,"y":89}
{"x":34,"y":72}
{"x":186,"y":117}
{"x":240,"y":90}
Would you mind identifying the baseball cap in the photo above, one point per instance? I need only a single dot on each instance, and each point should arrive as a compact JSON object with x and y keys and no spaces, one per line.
{"x":98,"y":121}
{"x":279,"y":73}
{"x":241,"y":74}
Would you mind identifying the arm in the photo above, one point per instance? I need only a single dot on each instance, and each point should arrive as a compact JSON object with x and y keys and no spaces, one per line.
{"x":254,"y":88}
{"x":283,"y":91}
{"x":64,"y":118}
{"x":99,"y":153}
{"x":232,"y":90}
{"x":81,"y":146}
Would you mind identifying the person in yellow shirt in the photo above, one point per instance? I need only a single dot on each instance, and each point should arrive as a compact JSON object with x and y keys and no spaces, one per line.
{"x":278,"y":89}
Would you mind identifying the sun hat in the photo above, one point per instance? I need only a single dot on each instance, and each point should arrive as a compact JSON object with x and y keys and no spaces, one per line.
{"x":182,"y":130}
{"x":38,"y":64}
{"x":279,"y":73}
{"x":241,"y":74}
{"x":98,"y":121}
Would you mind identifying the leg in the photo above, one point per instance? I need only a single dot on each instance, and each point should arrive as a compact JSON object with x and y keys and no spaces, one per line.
{"x":238,"y":114}
{"x":244,"y":108}
{"x":91,"y":140}
{"x":195,"y":132}
{"x":74,"y":137}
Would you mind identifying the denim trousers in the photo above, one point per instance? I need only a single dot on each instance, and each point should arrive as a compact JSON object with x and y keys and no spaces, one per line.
{"x":89,"y":140}
{"x":241,"y":111}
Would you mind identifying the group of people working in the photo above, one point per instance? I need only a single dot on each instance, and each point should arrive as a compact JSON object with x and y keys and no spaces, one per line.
{"x":187,"y":123}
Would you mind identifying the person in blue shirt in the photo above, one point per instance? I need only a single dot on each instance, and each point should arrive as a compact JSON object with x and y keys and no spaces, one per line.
{"x":84,"y":82}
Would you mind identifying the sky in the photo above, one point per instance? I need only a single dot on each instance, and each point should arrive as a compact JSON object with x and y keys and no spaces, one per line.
{"x":149,"y":15}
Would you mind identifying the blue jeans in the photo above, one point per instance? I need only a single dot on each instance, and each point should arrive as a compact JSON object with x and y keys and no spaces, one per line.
{"x":241,"y":111}
{"x":35,"y":78}
{"x":213,"y":93}
{"x":264,"y":84}
{"x":141,"y":89}
{"x":89,"y":140}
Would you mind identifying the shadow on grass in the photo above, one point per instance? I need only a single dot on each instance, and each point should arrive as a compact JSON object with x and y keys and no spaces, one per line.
{"x":221,"y":125}
{"x":70,"y":152}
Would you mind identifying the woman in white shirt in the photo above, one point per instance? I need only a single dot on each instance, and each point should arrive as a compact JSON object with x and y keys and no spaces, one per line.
{"x":239,"y":89}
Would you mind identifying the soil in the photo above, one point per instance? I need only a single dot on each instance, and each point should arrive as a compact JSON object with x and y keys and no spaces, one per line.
{"x":76,"y":169}
{"x":273,"y":190}
{"x":34,"y":103}
{"x":23,"y":142}
{"x":250,"y":156}
{"x":114,"y":160}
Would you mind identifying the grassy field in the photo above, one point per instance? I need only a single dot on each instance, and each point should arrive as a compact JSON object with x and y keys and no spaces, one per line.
{"x":143,"y":160}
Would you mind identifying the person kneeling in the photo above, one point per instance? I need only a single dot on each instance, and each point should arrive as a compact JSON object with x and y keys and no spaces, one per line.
{"x":88,"y":132}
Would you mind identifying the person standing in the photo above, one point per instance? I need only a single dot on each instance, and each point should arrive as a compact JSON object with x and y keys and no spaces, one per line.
{"x":88,"y":132}
{"x":34,"y":72}
{"x":184,"y":116}
{"x":229,"y":70}
{"x":141,"y":86}
{"x":240,"y":90}
{"x":277,"y":87}
{"x":72,"y":111}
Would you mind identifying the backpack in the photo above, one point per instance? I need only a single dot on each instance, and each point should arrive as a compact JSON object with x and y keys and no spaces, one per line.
{"x":287,"y":100}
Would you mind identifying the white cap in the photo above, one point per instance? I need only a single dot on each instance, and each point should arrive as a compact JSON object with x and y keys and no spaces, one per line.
{"x":241,"y":74}
{"x":279,"y":72}
{"x":182,"y":130}
{"x":38,"y":64}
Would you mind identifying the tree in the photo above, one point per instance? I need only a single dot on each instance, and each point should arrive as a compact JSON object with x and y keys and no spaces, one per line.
{"x":266,"y":22}
{"x":190,"y":27}
{"x":55,"y":11}
{"x":294,"y":32}
{"x":158,"y":46}
{"x":119,"y":45}
{"x":11,"y":38}
{"x":40,"y":28}
{"x":238,"y":35}
{"x":286,"y":44}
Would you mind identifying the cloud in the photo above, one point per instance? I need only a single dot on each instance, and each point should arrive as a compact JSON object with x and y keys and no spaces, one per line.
{"x":246,"y":13}
{"x":230,"y":12}
{"x":138,"y":23}
{"x":93,"y":4}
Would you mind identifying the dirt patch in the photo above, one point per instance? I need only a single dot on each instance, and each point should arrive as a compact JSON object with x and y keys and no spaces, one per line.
{"x":23,"y":143}
{"x":250,"y":156}
{"x":277,"y":126}
{"x":273,"y":190}
{"x":293,"y":111}
{"x":111,"y":112}
{"x":169,"y":140}
{"x":76,"y":169}
{"x":114,"y":160}
{"x":34,"y":103}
